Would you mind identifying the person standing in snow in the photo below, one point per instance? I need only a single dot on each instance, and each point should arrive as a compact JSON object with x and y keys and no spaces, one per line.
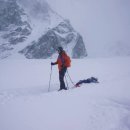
{"x":63,"y":62}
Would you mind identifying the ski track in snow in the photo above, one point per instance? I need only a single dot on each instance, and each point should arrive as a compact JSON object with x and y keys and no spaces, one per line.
{"x":7,"y":95}
{"x":99,"y":112}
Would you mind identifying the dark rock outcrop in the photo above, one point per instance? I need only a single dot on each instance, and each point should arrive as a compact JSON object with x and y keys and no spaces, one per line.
{"x":62,"y":35}
{"x":14,"y":28}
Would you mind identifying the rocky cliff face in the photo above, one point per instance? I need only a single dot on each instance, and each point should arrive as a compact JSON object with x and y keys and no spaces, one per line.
{"x":62,"y":35}
{"x":16,"y":29}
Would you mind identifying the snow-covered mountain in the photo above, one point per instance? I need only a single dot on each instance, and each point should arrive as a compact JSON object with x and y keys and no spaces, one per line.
{"x":31,"y":29}
{"x":14,"y":27}
{"x":61,"y":35}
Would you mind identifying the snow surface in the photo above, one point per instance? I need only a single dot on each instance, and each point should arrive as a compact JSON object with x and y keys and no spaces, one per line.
{"x":26,"y":104}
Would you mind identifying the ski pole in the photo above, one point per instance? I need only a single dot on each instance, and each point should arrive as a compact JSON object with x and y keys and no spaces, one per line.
{"x":50,"y":79}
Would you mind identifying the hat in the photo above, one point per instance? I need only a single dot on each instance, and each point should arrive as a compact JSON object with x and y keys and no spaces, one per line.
{"x":60,"y":49}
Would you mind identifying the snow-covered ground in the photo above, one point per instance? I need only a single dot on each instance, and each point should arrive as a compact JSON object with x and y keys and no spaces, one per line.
{"x":26,"y":104}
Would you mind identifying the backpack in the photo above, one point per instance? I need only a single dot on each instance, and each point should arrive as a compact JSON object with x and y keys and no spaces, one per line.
{"x":67,"y":61}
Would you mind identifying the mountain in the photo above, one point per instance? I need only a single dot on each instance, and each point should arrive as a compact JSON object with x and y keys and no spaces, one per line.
{"x":14,"y":28}
{"x":61,"y":35}
{"x":31,"y":29}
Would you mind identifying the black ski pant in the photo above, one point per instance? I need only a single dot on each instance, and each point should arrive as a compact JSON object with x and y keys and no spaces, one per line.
{"x":61,"y":77}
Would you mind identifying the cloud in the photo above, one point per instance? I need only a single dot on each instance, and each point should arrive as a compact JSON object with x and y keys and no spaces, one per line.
{"x":102,"y":23}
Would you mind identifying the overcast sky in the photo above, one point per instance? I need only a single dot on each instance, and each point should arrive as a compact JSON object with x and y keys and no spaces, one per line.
{"x":101,"y":22}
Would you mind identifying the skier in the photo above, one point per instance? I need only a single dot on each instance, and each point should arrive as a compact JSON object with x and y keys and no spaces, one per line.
{"x":63,"y":62}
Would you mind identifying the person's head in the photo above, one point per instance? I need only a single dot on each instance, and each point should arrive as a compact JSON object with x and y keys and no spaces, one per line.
{"x":60,"y":49}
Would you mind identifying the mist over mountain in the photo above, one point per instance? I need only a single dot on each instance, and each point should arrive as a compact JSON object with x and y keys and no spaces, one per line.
{"x":31,"y":29}
{"x":103,"y":24}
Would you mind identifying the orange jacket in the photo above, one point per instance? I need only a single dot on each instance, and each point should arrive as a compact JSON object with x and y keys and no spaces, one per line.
{"x":62,"y":60}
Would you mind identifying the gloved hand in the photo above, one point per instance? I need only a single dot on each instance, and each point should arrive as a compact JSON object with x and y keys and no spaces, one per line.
{"x":52,"y":63}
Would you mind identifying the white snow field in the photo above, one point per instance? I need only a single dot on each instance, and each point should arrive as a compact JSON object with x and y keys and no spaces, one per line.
{"x":26,"y":104}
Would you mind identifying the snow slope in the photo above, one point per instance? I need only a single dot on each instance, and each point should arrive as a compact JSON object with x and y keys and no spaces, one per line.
{"x":25,"y":103}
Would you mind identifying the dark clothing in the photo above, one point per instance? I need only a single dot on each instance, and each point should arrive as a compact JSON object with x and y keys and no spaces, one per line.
{"x":61,"y":78}
{"x":89,"y":80}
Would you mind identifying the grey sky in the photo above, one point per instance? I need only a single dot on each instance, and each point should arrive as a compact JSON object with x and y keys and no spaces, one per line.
{"x":101,"y":22}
